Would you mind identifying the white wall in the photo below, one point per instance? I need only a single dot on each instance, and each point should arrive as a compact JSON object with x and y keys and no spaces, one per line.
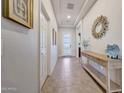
{"x":112,"y":10}
{"x":52,"y":57}
{"x":71,"y":31}
{"x":20,"y":59}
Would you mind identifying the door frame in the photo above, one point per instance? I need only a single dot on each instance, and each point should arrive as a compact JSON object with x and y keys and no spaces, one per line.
{"x":79,"y":29}
{"x":43,"y":10}
{"x":73,"y":46}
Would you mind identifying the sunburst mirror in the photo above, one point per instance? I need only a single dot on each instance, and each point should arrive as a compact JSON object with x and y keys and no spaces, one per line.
{"x":100,"y":26}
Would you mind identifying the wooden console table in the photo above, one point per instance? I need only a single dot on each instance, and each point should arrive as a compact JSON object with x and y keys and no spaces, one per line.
{"x":108,"y":64}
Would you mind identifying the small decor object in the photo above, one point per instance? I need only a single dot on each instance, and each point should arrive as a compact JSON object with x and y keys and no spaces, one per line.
{"x":112,"y":51}
{"x":85,"y":43}
{"x":100,"y":26}
{"x":19,"y":11}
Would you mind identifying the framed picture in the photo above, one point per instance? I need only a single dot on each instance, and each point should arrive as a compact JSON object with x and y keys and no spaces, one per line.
{"x":53,"y":37}
{"x":20,"y":11}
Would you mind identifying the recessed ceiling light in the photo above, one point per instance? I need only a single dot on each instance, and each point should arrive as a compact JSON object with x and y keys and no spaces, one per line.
{"x":68,"y":16}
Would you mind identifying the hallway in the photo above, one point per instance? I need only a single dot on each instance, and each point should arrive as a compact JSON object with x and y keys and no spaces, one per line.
{"x":43,"y":40}
{"x":69,"y":77}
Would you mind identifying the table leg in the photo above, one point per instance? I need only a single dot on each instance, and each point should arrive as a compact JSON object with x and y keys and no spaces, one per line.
{"x":108,"y":78}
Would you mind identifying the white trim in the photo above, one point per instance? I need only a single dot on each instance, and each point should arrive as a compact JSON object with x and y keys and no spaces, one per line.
{"x":83,"y":11}
{"x":54,"y":12}
{"x":44,"y":12}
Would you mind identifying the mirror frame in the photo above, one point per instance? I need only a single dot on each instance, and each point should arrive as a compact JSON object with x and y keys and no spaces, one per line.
{"x":104,"y":22}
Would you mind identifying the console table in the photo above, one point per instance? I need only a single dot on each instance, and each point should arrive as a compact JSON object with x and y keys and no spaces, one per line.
{"x":108,"y":64}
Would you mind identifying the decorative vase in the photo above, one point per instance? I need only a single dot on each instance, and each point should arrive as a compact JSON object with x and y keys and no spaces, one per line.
{"x":85,"y":44}
{"x":112,"y":51}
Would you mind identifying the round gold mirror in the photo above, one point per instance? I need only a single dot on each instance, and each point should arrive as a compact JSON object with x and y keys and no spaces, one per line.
{"x":100,"y":27}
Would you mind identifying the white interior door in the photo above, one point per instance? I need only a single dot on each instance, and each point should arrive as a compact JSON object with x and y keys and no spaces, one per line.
{"x":43,"y":48}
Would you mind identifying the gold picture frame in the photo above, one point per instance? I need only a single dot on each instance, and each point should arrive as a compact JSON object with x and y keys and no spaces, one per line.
{"x":20,"y":11}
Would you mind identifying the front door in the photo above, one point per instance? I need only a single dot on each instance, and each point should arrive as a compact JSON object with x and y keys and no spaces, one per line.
{"x":68,"y":46}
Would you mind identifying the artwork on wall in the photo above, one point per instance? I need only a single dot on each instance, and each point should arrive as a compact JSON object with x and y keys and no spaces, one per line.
{"x":100,"y":26}
{"x":53,"y":37}
{"x":20,"y":11}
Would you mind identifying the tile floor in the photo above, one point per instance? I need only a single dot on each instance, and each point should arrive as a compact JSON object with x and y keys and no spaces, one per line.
{"x":69,"y":77}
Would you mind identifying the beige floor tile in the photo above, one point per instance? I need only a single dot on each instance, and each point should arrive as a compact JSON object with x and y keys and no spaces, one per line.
{"x":69,"y":77}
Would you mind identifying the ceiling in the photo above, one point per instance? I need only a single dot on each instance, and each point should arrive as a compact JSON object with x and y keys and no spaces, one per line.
{"x":69,"y":12}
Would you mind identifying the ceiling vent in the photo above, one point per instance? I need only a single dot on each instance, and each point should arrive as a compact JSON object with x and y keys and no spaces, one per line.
{"x":70,"y":6}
